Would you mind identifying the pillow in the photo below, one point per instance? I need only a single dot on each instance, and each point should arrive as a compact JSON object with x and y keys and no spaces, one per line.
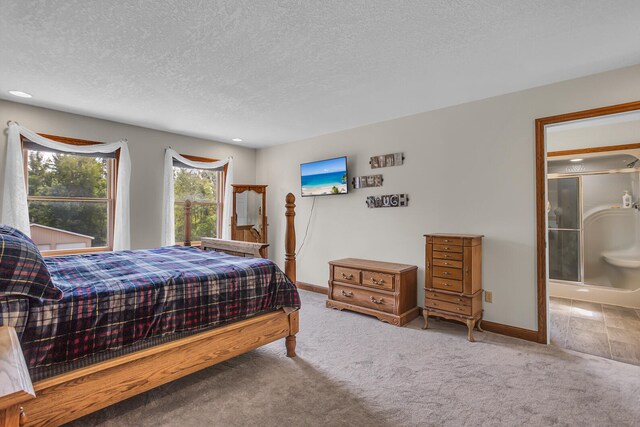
{"x":7,"y":229}
{"x":23,"y":271}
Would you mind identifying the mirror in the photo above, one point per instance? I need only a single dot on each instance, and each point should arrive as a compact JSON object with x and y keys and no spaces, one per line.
{"x":249,"y":218}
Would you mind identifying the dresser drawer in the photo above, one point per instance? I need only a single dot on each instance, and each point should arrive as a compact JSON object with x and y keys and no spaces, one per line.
{"x":364,"y":298}
{"x":447,"y":241}
{"x":447,"y":248}
{"x":448,"y":306}
{"x":447,"y":255}
{"x":447,"y":273}
{"x":447,"y":263}
{"x":348,"y":275}
{"x":377,"y":280}
{"x":447,"y":284}
{"x":447,"y":298}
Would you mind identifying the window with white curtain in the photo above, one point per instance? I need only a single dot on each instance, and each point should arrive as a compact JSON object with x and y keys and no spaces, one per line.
{"x":202,"y":188}
{"x":71,"y":198}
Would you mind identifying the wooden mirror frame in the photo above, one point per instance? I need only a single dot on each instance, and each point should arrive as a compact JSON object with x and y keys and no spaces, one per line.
{"x":260,"y":189}
{"x":541,"y":198}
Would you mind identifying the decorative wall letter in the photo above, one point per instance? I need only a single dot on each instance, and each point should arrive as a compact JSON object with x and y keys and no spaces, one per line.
{"x":386,"y":160}
{"x":367,"y":181}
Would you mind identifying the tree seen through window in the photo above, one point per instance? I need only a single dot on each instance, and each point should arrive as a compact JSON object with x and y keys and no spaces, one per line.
{"x":68,"y":198}
{"x":201,"y":188}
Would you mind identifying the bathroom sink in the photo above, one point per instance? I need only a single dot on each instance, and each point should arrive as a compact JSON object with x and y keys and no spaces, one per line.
{"x":626,"y":259}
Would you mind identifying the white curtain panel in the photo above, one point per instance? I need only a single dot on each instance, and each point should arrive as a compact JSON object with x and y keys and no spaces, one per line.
{"x":15,"y":211}
{"x":168,"y":216}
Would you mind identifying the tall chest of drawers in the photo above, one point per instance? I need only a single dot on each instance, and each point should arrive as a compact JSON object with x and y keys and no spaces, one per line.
{"x":385,"y":290}
{"x":453,"y":279}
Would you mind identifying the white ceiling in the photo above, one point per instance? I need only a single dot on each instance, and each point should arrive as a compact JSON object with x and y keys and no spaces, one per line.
{"x":272,"y":72}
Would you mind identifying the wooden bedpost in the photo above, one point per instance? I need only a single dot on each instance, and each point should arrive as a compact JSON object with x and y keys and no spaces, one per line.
{"x":290,"y":268}
{"x":290,"y":239}
{"x":294,"y":327}
{"x":187,"y":222}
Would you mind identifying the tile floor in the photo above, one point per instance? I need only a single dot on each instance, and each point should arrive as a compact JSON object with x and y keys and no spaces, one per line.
{"x":603,"y":330}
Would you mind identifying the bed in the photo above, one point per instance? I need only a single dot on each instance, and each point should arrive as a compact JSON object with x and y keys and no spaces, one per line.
{"x":132,"y":320}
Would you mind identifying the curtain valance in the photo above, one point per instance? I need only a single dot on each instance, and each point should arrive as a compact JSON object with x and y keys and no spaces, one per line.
{"x":168,"y":214}
{"x":15,"y":210}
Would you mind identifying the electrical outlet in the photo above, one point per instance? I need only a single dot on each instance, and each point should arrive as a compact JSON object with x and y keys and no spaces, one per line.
{"x":488,"y":296}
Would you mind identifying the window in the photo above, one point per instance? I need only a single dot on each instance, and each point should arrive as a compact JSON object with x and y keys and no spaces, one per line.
{"x":71,"y":198}
{"x":202,"y":187}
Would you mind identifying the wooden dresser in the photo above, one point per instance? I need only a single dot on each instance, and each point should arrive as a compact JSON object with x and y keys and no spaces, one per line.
{"x":453,"y":279}
{"x":382,"y":289}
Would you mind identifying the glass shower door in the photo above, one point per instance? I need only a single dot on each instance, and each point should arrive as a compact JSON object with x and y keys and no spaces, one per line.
{"x":565,"y":229}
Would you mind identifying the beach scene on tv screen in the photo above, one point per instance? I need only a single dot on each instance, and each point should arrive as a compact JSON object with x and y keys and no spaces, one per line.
{"x":324,"y":177}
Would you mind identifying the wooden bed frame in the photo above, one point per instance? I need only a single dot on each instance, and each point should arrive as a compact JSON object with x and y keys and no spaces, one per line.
{"x":66,"y":397}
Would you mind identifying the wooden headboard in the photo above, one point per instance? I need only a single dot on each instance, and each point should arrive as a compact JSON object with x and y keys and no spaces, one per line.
{"x":234,"y":247}
{"x":259,"y":250}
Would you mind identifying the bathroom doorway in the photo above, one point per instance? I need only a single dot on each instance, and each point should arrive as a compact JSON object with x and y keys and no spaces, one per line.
{"x":591,"y":225}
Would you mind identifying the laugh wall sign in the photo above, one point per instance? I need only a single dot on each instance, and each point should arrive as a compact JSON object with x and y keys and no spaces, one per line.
{"x":388,"y":201}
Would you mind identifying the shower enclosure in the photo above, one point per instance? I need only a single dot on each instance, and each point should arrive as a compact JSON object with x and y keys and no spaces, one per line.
{"x":593,"y":240}
{"x":565,"y":229}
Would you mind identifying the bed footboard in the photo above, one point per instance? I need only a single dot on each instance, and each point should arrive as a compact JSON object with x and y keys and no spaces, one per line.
{"x":69,"y":396}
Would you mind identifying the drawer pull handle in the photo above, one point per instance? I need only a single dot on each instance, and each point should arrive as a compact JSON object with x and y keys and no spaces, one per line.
{"x":347,"y":294}
{"x":446,"y":256}
{"x":446,"y":273}
{"x":446,"y":248}
{"x":460,"y":309}
{"x":434,"y":304}
{"x":377,"y":301}
{"x":348,"y":277}
{"x":460,"y":300}
{"x":428,"y":265}
{"x":446,"y":240}
{"x":445,"y":263}
{"x":377,"y":282}
{"x":446,"y":284}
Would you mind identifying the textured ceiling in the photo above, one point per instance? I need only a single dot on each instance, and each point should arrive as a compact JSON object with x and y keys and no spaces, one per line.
{"x":271,"y":72}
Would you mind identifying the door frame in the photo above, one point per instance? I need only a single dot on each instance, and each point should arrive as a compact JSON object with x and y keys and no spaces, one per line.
{"x":541,"y":198}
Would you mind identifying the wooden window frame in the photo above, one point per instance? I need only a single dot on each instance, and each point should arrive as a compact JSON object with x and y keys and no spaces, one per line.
{"x":220,"y":193}
{"x":112,"y":181}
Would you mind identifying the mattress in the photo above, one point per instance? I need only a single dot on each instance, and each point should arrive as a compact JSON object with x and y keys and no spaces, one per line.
{"x":114,"y":300}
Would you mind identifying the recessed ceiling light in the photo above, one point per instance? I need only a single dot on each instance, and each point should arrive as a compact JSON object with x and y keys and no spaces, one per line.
{"x":20,"y":94}
{"x":575,"y":160}
{"x":237,"y":139}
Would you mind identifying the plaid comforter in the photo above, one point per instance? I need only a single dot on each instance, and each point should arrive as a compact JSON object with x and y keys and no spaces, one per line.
{"x":115,"y":299}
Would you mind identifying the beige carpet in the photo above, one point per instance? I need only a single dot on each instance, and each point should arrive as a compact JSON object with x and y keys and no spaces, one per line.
{"x":353,"y":370}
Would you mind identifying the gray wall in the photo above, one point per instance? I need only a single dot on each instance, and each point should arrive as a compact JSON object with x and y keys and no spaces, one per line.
{"x":469,"y":169}
{"x":147,"y":154}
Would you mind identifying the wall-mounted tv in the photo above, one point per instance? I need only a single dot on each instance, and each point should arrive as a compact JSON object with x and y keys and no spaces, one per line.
{"x":324,"y":178}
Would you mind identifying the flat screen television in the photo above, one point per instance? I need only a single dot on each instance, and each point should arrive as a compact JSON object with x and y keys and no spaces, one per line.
{"x":324,"y":178}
